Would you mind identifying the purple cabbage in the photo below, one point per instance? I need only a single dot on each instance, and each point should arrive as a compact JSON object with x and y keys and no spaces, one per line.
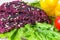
{"x":16,"y":14}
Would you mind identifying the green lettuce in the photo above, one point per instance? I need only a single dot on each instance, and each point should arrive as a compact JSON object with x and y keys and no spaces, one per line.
{"x":39,"y":31}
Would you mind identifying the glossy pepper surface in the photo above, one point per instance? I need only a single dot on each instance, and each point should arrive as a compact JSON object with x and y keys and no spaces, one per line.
{"x":51,"y":7}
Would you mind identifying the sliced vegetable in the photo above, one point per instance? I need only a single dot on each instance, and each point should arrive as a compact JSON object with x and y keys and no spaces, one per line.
{"x":25,"y":14}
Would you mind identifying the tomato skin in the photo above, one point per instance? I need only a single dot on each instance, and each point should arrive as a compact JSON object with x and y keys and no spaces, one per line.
{"x":57,"y":23}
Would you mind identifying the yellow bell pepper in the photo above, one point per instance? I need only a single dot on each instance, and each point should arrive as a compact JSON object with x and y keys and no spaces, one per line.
{"x":51,"y":7}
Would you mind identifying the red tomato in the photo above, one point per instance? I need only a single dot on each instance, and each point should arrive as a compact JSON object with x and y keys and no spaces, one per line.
{"x":57,"y":23}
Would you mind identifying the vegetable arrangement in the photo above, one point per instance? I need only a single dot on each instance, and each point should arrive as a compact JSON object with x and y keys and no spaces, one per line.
{"x":36,"y":31}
